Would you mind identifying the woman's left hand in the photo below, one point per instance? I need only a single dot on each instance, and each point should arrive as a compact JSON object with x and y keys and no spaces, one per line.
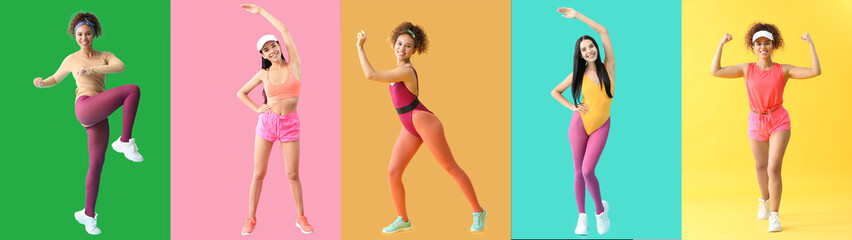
{"x":568,"y":12}
{"x":807,"y":38}
{"x":251,"y":8}
{"x":82,"y":72}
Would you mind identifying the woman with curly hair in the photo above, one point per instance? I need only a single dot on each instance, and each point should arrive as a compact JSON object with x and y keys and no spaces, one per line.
{"x":419,"y":124}
{"x":93,"y":104}
{"x":278,"y":120}
{"x":768,"y":121}
{"x":594,"y":81}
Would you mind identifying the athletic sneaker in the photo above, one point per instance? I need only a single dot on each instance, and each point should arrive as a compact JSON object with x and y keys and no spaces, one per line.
{"x":774,"y":222}
{"x":128,"y":148}
{"x":398,"y":226}
{"x":478,"y":221}
{"x":90,"y":223}
{"x":582,"y":225}
{"x":763,"y":209}
{"x":302,"y":224}
{"x":603,"y":220}
{"x":248,"y":229}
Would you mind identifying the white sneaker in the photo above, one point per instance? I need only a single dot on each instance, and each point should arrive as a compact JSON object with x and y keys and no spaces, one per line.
{"x":582,"y":225}
{"x":128,"y":148}
{"x":774,"y":222}
{"x":603,"y":220}
{"x":763,"y":209}
{"x":90,"y":223}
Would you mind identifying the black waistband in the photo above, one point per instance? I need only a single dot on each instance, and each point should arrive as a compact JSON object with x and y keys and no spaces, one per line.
{"x":408,"y":108}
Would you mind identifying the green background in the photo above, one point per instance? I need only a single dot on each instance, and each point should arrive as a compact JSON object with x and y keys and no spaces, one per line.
{"x":639,"y":171}
{"x":45,"y":156}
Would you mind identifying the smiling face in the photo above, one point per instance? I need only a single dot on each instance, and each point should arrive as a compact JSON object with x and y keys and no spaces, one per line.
{"x":763,"y":48}
{"x":84,"y":36}
{"x":589,"y":51}
{"x":403,"y":48}
{"x":271,"y":51}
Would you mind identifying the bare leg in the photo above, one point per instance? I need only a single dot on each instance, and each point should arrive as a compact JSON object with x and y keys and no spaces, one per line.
{"x":777,"y":146}
{"x":291,"y":162}
{"x":760,"y":150}
{"x":432,"y":131}
{"x":261,"y":160}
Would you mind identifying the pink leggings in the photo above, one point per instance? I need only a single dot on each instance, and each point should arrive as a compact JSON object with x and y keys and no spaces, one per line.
{"x":93,"y":111}
{"x":587,"y":151}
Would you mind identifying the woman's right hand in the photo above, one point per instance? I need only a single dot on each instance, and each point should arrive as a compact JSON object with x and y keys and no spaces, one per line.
{"x":726,"y":38}
{"x":264,"y":109}
{"x":582,"y":108}
{"x":38,"y":82}
{"x":362,"y":37}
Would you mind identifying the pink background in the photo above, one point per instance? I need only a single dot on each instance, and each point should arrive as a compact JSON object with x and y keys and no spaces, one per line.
{"x":212,"y":145}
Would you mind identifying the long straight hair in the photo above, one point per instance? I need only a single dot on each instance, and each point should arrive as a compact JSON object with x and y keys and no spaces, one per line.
{"x":265,"y":64}
{"x":580,"y":68}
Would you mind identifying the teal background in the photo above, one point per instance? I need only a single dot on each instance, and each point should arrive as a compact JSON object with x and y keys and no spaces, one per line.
{"x":639,"y":171}
{"x":45,"y":157}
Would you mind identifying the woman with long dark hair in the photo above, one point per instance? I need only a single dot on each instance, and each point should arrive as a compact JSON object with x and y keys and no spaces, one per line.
{"x":592,"y":84}
{"x":94,"y":104}
{"x":419,"y":124}
{"x":768,"y":121}
{"x":278,"y":120}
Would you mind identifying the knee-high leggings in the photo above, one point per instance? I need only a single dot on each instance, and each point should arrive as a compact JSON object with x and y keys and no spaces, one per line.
{"x":586,"y":150}
{"x":92,"y":112}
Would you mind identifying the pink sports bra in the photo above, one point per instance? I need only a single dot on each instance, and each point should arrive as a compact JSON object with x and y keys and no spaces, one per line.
{"x":290,"y":87}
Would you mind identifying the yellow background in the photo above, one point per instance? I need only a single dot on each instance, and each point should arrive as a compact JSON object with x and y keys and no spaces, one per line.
{"x":719,"y":186}
{"x":465,"y":81}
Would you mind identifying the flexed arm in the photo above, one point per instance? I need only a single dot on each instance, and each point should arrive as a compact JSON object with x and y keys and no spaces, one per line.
{"x":54,"y":79}
{"x":285,"y":33}
{"x":398,"y":74}
{"x":733,"y":71}
{"x":803,"y":72}
{"x":557,"y":94}
{"x":609,"y":61}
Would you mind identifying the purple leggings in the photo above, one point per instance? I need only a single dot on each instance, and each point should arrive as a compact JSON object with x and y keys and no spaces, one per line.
{"x":587,"y":151}
{"x":92,"y":111}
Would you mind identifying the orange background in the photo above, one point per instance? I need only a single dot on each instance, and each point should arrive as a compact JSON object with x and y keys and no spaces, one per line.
{"x":465,"y":81}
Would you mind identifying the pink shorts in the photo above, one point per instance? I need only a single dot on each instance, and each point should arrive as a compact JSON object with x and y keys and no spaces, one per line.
{"x":761,"y":126}
{"x":272,"y":127}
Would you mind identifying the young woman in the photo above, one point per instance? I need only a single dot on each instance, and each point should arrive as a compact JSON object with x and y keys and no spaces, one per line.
{"x":419,"y":124}
{"x":594,"y":81}
{"x":278,"y":120}
{"x":768,"y":121}
{"x":94,"y":104}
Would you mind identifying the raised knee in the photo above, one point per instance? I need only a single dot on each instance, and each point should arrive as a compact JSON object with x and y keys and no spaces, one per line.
{"x":293,"y":175}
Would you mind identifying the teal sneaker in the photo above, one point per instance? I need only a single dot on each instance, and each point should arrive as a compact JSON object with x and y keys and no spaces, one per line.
{"x":398,"y":226}
{"x":478,"y":221}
